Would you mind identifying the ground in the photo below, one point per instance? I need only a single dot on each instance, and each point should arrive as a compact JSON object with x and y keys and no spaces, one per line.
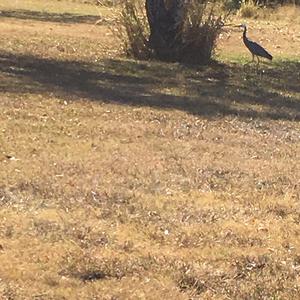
{"x":144,"y":180}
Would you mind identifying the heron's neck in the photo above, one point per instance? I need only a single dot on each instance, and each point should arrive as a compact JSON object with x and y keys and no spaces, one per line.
{"x":244,"y":33}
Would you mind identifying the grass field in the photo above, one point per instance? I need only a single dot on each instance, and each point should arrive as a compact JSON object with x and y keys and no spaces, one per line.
{"x":145,"y":180}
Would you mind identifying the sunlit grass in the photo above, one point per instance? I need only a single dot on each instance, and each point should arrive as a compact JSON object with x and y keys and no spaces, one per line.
{"x":144,"y":180}
{"x":60,"y":7}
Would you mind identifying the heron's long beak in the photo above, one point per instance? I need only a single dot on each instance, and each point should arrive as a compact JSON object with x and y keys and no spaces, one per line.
{"x":228,"y":25}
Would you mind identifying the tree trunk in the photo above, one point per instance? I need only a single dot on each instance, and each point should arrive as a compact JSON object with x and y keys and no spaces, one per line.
{"x":165,"y":22}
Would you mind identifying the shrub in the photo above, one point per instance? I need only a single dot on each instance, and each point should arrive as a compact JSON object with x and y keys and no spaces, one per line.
{"x":200,"y":32}
{"x":232,"y":4}
{"x":134,"y":30}
{"x":194,"y":39}
{"x":248,"y":9}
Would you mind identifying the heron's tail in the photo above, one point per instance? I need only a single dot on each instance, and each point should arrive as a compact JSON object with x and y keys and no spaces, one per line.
{"x":269,"y":56}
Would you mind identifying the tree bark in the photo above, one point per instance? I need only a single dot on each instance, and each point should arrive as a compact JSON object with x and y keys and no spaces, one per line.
{"x":165,"y":24}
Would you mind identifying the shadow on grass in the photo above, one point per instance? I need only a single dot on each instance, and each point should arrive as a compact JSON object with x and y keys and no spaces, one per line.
{"x":216,"y":90}
{"x":50,"y":17}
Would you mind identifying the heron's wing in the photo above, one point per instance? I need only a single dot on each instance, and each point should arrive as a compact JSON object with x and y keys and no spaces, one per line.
{"x":257,"y":49}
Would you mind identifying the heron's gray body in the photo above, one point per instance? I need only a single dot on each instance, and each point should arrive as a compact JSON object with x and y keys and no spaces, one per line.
{"x":254,"y":48}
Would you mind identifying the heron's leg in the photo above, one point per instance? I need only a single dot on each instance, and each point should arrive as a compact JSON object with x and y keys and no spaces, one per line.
{"x":253,"y":58}
{"x":257,"y":66}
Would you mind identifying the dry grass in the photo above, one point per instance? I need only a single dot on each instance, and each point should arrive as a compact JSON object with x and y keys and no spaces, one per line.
{"x":50,"y":6}
{"x":282,"y":14}
{"x":143,"y":180}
